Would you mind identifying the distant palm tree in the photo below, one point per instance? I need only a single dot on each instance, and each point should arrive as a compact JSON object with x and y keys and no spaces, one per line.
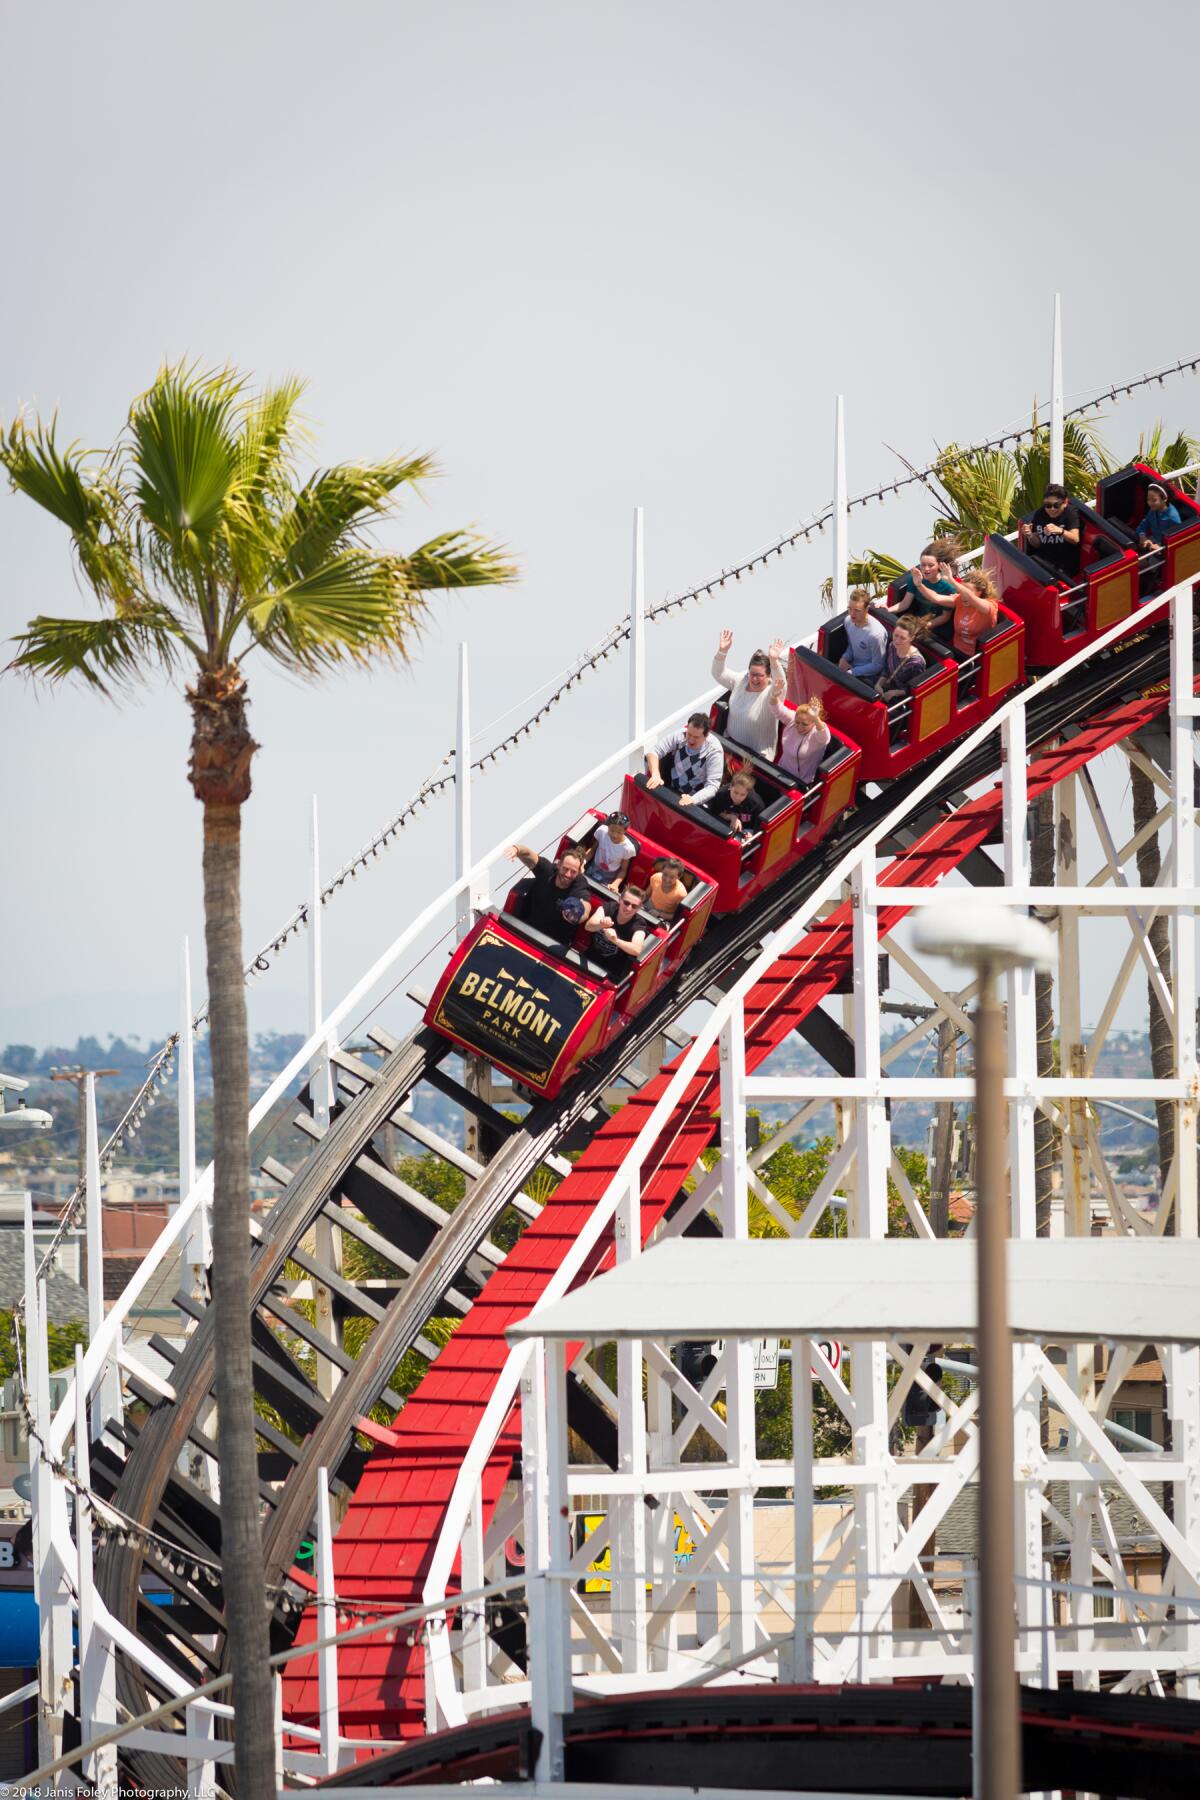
{"x":202,"y":547}
{"x":990,"y":490}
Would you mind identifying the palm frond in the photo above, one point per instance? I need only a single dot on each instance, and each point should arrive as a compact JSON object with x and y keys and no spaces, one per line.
{"x":874,"y":569}
{"x":459,"y":559}
{"x":109,"y":653}
{"x":1167,"y":455}
{"x":269,"y":431}
{"x":183,"y":440}
{"x":84,"y":500}
{"x":356,"y":606}
{"x":980,"y":486}
{"x":339,"y":504}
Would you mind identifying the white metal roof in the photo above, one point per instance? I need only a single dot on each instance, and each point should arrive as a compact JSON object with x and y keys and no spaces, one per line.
{"x":1140,"y":1290}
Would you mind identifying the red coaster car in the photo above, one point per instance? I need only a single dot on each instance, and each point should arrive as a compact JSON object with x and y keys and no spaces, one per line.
{"x":794,"y":818}
{"x":1061,"y":616}
{"x":536,"y":1008}
{"x":956,"y":692}
{"x":1121,"y":500}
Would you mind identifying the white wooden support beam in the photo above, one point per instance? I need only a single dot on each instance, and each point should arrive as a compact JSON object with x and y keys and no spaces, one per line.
{"x":802,"y":1662}
{"x":875,"y":1508}
{"x":629,"y":1539}
{"x":739,"y":1352}
{"x":462,"y":792}
{"x":327,"y":1661}
{"x":549,"y":1662}
{"x":106,"y":1401}
{"x":51,"y":1538}
{"x":1183,"y":1362}
{"x":841,"y":512}
{"x":637,"y":643}
{"x":203,"y":1752}
{"x":197,"y":1244}
{"x":1056,"y":395}
{"x":328,"y":1236}
{"x":1183,"y":837}
{"x":97,"y":1677}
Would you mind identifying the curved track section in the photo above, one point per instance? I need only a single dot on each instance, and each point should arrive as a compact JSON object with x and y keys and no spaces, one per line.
{"x":909,"y":1738}
{"x":447,"y":1263}
{"x":384,"y":1549}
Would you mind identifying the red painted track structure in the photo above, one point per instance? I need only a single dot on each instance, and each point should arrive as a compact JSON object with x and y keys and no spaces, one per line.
{"x":386,"y":1541}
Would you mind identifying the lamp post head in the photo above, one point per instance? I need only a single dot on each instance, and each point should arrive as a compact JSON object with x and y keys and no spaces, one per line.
{"x":985,"y":937}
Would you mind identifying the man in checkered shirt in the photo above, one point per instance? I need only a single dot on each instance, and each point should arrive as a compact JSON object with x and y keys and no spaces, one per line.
{"x":690,"y":762}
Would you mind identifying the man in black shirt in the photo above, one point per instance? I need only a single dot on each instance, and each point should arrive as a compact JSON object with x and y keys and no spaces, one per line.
{"x":546,"y":884}
{"x":1053,"y":534}
{"x":613,"y":931}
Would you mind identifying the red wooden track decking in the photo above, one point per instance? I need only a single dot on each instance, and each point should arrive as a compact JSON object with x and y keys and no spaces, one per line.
{"x":383,"y":1548}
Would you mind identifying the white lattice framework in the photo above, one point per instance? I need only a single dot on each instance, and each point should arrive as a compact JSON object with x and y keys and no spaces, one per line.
{"x":666,"y":1626}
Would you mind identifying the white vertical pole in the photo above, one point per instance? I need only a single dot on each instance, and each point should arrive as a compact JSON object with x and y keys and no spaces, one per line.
{"x":739,"y":1351}
{"x":629,"y":1538}
{"x":107,"y":1402}
{"x":875,"y":1511}
{"x":327,"y":1665}
{"x":1022,"y":1067}
{"x":197,"y":1250}
{"x":320,"y":1087}
{"x":637,"y":642}
{"x":1056,"y":396}
{"x":54,"y":1607}
{"x":546,"y":1700}
{"x":841,"y":512}
{"x":97,"y":1696}
{"x":474,"y":1640}
{"x":1183,"y":1361}
{"x":462,"y":790}
{"x":803,"y":1539}
{"x":187,"y":1084}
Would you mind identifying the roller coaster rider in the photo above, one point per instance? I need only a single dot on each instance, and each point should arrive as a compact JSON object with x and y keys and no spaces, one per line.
{"x":547,"y":884}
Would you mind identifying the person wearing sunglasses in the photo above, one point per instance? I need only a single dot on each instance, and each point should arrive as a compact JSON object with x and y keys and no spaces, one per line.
{"x":1053,"y":533}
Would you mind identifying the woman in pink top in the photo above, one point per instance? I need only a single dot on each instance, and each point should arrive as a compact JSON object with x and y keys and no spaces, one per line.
{"x":805,"y":738}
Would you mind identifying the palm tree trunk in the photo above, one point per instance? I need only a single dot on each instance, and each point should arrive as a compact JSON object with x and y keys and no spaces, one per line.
{"x":222,"y":750}
{"x":241,"y":1537}
{"x":1162,"y":1044}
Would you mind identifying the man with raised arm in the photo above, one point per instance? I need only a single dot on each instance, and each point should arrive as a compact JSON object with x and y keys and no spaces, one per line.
{"x":547,"y":884}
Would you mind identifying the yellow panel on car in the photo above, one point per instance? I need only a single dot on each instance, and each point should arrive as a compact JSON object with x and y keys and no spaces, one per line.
{"x":837,"y":793}
{"x":1114,"y":598}
{"x":1002,"y":666}
{"x":1186,"y":560}
{"x":934,"y":713}
{"x":779,"y":842}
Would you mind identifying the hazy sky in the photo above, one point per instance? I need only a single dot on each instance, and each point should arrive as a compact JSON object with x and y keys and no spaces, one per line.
{"x":594,"y":256}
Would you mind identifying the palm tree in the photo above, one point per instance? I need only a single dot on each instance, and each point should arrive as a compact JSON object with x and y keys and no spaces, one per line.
{"x":202,"y":547}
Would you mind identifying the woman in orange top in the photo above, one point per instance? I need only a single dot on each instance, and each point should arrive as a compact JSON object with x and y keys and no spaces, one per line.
{"x":976,"y":607}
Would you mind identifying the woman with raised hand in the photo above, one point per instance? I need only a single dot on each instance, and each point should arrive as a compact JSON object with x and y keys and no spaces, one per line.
{"x":751,"y":719}
{"x":805,"y":738}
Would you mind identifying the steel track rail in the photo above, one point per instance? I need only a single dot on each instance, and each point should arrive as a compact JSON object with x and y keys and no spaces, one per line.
{"x":155,"y":1454}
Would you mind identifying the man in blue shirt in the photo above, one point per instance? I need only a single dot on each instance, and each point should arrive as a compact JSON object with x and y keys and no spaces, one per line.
{"x":1159,"y":515}
{"x":866,"y":639}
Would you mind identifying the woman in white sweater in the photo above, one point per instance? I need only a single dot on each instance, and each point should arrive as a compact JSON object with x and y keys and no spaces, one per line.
{"x":752,"y":720}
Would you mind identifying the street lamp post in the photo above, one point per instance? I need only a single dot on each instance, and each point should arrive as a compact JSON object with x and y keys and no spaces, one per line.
{"x":991,"y":940}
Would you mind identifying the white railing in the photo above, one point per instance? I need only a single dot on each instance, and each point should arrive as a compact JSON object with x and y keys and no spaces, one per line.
{"x":625,"y":1185}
